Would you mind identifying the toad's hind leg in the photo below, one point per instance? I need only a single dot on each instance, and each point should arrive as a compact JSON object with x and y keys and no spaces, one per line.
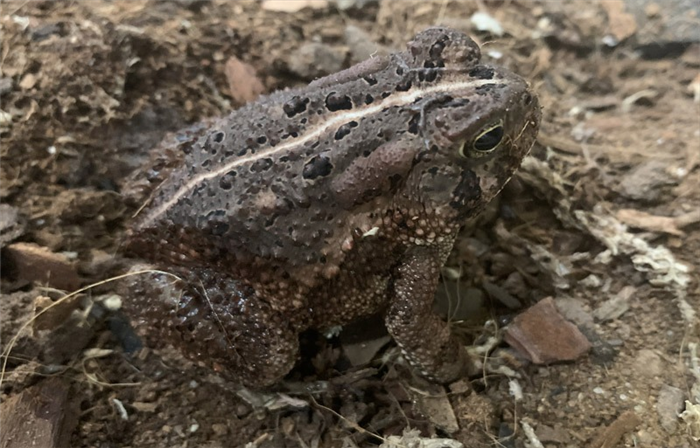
{"x":219,"y":322}
{"x":424,"y":338}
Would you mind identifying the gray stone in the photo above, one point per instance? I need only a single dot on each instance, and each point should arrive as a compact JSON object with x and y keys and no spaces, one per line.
{"x":668,"y":405}
{"x":666,"y":20}
{"x":314,"y":59}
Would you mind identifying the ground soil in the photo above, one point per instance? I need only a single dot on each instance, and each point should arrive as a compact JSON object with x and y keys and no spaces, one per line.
{"x":89,"y":88}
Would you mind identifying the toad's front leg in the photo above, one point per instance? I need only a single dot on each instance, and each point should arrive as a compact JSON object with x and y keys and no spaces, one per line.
{"x":424,"y":338}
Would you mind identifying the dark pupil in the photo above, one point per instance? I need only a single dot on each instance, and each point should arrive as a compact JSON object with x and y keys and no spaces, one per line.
{"x":489,"y":140}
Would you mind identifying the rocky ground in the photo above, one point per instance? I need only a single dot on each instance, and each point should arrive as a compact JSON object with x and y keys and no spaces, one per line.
{"x":596,"y":237}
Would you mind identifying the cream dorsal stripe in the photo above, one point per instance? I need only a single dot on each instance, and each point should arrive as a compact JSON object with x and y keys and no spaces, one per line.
{"x":335,"y":120}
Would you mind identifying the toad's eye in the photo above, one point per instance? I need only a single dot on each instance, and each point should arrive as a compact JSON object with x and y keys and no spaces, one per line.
{"x":485,"y":142}
{"x":489,"y":139}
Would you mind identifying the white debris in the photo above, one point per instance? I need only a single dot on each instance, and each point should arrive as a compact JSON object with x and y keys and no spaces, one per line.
{"x":411,"y":438}
{"x":485,"y":22}
{"x":119,"y":407}
{"x":691,"y":416}
{"x":533,"y":441}
{"x":515,"y":390}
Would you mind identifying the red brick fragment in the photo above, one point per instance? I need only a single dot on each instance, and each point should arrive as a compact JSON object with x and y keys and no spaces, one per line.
{"x":543,"y":336}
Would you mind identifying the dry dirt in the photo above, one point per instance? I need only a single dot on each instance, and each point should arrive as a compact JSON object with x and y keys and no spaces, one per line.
{"x":603,"y":218}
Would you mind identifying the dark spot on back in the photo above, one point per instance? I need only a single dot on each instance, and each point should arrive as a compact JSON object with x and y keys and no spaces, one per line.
{"x":459,"y":102}
{"x":481,"y":72}
{"x":318,"y":166}
{"x":219,"y":228}
{"x":428,"y":75}
{"x":215,"y":221}
{"x":404,"y":85}
{"x":345,"y":130}
{"x":370,"y":79}
{"x":295,"y":106}
{"x":369,"y":99}
{"x":269,"y":222}
{"x":488,"y":88}
{"x":227,"y":180}
{"x":335,"y":102}
{"x":262,"y":140}
{"x":413,"y":124}
{"x":261,"y":165}
{"x":386,"y":134}
{"x":225,"y":184}
{"x":436,"y":49}
{"x":292,"y":134}
{"x":219,"y":137}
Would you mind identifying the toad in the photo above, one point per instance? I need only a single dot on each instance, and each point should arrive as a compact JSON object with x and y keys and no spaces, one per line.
{"x":313,"y":207}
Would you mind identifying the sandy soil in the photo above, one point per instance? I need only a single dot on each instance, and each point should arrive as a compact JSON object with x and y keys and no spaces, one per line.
{"x":603,"y":217}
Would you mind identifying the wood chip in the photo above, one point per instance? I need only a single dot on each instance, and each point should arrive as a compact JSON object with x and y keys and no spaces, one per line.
{"x":661,"y":224}
{"x":433,"y":402}
{"x":610,"y":437}
{"x":34,"y":263}
{"x":43,"y":415}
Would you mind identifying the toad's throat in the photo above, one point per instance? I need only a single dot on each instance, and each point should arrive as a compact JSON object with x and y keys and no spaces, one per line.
{"x":398,"y":99}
